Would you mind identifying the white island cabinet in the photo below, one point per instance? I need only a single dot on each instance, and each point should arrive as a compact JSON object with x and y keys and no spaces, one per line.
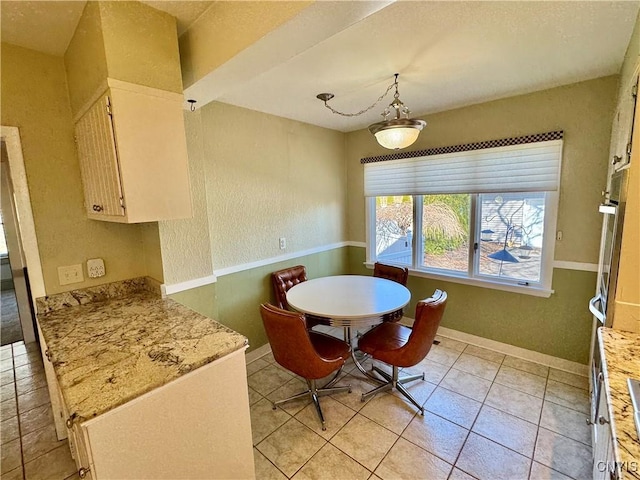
{"x":189,"y":428}
{"x":146,"y":388}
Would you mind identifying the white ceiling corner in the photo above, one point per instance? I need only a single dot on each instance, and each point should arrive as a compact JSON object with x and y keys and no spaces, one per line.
{"x":448,"y":53}
{"x":40,"y":25}
{"x":48,"y":26}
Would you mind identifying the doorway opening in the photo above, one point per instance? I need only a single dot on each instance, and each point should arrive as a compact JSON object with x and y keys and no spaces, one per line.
{"x":21,"y":281}
{"x":10,"y":327}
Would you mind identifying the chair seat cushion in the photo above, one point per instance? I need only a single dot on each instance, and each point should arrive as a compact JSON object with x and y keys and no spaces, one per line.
{"x":329,"y":347}
{"x":383,"y":341}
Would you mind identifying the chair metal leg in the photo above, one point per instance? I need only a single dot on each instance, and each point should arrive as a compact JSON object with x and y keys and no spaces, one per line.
{"x":330,"y":391}
{"x":411,"y":378}
{"x":334,"y":379}
{"x":314,"y":393}
{"x":406,"y":393}
{"x":381,"y":388}
{"x":394,"y":382}
{"x":316,"y":401}
{"x":382,"y":373}
{"x":294,"y":397}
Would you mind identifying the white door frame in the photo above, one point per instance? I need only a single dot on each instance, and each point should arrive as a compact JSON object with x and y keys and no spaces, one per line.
{"x":11,"y":137}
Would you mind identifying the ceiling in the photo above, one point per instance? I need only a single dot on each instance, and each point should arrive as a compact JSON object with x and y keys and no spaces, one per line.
{"x":47,"y":26}
{"x":448,"y":54}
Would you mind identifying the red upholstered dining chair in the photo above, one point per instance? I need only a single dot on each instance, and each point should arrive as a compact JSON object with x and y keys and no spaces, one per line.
{"x":282,"y":281}
{"x":400,"y":346}
{"x":396,"y":274}
{"x":311,"y":355}
{"x":390,"y":272}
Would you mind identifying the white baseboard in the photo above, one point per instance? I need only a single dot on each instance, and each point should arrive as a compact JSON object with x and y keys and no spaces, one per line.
{"x":257,"y":353}
{"x":505,"y":348}
{"x":523,"y":353}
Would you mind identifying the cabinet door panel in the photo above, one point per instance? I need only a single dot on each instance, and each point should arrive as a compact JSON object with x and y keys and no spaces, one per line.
{"x":197,"y":426}
{"x":83,"y":459}
{"x":57,"y":403}
{"x":623,"y":127}
{"x":149,"y":132}
{"x":99,"y":161}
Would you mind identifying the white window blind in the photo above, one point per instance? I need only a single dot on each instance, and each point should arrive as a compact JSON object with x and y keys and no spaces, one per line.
{"x":529,"y":167}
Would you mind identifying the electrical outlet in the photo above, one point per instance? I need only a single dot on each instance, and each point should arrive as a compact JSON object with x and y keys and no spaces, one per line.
{"x":70,"y":274}
{"x":95,"y":267}
{"x":283,"y":243}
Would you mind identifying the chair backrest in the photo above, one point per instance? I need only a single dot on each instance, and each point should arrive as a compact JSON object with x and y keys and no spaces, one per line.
{"x":397,"y":274}
{"x":425,"y":326}
{"x":283,"y":280}
{"x":291,"y":345}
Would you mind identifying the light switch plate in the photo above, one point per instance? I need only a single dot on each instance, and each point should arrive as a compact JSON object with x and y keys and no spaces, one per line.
{"x":95,"y":267}
{"x":70,"y":274}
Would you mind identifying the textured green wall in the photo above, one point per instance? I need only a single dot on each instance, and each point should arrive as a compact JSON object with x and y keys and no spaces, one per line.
{"x":201,"y":299}
{"x":34,"y":99}
{"x":234,"y":299}
{"x":583,"y":110}
{"x":559,"y":325}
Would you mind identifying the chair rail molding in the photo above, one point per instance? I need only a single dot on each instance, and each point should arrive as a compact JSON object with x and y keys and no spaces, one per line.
{"x":187,"y":285}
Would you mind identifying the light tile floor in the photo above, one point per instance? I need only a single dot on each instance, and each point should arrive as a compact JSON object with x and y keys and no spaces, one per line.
{"x":29,"y":447}
{"x":488,"y":416}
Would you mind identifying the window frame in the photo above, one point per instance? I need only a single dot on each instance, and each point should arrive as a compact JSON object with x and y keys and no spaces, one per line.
{"x":543,"y":288}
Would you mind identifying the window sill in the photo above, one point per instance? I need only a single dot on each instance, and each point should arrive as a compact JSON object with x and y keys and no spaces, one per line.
{"x":533,"y":291}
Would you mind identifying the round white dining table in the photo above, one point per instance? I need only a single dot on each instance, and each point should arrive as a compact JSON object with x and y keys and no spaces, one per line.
{"x":348,"y":300}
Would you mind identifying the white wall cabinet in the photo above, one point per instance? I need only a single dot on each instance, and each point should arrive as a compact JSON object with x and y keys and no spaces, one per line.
{"x":622,"y":130}
{"x":133,"y":156}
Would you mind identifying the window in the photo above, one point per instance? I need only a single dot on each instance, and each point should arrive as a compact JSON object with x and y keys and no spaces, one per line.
{"x":485,"y":217}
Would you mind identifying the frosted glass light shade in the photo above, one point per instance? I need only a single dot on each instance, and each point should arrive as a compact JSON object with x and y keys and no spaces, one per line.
{"x":398,"y":137}
{"x":397,"y":133}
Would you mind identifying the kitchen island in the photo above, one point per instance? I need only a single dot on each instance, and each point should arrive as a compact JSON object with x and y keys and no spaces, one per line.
{"x":620,"y":360}
{"x":145,"y":387}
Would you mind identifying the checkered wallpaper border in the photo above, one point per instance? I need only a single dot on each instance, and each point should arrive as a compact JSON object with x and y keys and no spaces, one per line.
{"x":503,"y":142}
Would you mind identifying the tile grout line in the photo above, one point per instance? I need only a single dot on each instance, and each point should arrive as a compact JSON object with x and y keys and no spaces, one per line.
{"x":535,"y":443}
{"x":19,"y":412}
{"x":15,"y":387}
{"x":412,"y":419}
{"x":328,"y":441}
{"x":540,"y":420}
{"x":474,"y":421}
{"x":437,"y":385}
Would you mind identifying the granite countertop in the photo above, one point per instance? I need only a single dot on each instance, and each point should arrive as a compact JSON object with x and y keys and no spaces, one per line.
{"x":107,"y":350}
{"x":621,"y":360}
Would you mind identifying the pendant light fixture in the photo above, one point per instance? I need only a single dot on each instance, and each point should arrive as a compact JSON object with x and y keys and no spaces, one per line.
{"x":392,"y":133}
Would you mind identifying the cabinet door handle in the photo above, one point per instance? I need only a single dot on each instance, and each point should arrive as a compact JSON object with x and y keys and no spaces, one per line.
{"x":70,"y":420}
{"x":616,"y":159}
{"x":602,"y":420}
{"x":98,"y":208}
{"x":47,"y":354}
{"x":82,"y":473}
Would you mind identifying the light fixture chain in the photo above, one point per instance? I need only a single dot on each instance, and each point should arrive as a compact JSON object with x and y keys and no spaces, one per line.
{"x":380,"y":98}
